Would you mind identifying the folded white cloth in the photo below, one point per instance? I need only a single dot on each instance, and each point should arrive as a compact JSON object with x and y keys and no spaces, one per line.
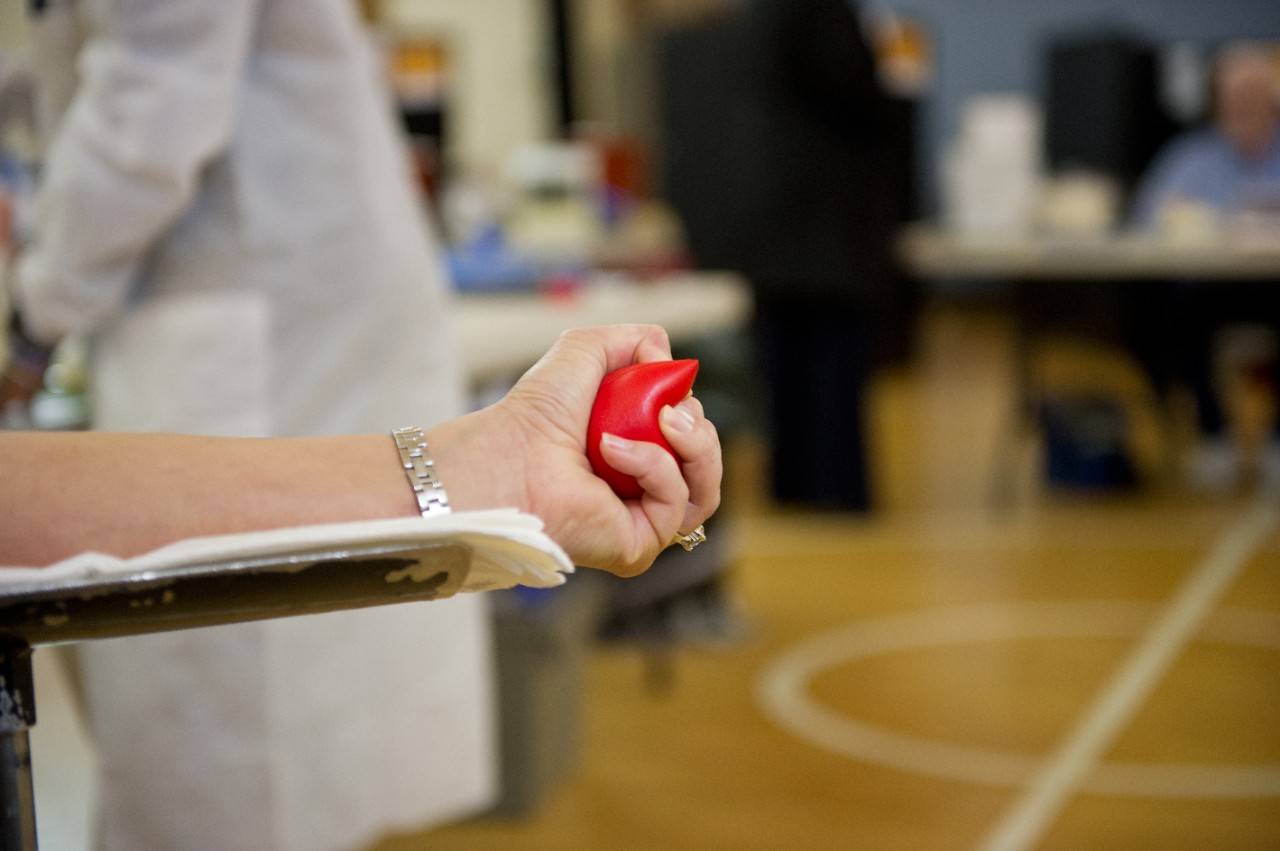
{"x":508,"y":548}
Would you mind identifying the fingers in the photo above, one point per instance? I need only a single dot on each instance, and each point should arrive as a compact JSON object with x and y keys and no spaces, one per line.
{"x":661,"y":510}
{"x":561,"y":387}
{"x":675,"y":501}
{"x":602,"y":349}
{"x":17,"y":387}
{"x":695,"y":440}
{"x":622,"y":345}
{"x":654,"y":346}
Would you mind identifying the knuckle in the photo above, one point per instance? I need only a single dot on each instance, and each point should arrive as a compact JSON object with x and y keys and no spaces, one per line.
{"x":654,"y":335}
{"x":709,"y":444}
{"x":576,"y":340}
{"x":711,"y":438}
{"x":634,"y":563}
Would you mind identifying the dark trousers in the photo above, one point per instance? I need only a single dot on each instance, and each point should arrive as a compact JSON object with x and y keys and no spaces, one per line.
{"x":815,"y":356}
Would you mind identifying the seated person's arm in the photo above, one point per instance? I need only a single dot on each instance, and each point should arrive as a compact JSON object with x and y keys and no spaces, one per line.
{"x":1175,"y":174}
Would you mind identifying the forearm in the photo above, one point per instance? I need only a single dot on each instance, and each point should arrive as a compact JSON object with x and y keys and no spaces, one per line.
{"x":126,"y":494}
{"x":154,"y":107}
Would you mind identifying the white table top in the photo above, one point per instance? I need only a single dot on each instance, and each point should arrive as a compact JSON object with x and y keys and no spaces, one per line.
{"x":501,"y":335}
{"x":936,"y":253}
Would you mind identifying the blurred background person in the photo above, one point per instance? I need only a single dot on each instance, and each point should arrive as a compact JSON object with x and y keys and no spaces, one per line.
{"x":1233,"y":164}
{"x":227,"y":213}
{"x":779,"y":159}
{"x":1203,"y":183}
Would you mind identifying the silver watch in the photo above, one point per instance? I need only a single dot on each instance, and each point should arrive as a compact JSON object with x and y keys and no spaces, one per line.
{"x":421,"y":471}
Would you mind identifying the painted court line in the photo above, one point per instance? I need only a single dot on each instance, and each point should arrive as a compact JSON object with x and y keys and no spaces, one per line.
{"x":784,"y":696}
{"x":1024,"y":824}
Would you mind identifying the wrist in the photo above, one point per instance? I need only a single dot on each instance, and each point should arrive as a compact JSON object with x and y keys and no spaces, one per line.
{"x":480,"y":460}
{"x":420,"y":471}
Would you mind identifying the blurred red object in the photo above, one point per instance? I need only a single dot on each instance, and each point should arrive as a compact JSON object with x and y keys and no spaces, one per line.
{"x":562,"y":287}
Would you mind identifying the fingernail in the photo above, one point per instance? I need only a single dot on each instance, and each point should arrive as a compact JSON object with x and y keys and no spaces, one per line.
{"x":621,"y":444}
{"x":678,"y":418}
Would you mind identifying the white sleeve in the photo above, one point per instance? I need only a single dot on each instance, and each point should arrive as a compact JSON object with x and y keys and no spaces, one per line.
{"x":156,"y":103}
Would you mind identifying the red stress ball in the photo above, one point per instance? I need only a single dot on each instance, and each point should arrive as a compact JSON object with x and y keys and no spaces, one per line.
{"x":627,"y":404}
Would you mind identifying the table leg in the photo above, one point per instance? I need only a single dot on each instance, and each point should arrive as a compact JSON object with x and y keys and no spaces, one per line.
{"x":1018,"y":425}
{"x":17,"y":715}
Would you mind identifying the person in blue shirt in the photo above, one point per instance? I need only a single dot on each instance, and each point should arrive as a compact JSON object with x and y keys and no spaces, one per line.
{"x":1216,"y":175}
{"x":1234,"y":165}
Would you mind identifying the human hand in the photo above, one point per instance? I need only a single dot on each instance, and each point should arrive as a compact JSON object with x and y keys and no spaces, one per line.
{"x":18,"y":385}
{"x":529,"y":450}
{"x":24,"y":367}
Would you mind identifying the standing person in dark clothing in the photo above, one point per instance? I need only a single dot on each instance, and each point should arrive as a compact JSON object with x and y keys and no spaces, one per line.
{"x":789,"y":181}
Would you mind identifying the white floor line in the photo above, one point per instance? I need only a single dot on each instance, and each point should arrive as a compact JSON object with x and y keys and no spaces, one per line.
{"x":1025,"y":823}
{"x":784,"y":694}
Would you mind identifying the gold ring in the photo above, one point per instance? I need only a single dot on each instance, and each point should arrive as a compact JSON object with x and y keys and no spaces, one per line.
{"x":691,"y":540}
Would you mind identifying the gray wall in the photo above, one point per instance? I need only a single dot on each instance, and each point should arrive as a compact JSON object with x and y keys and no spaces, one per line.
{"x":994,"y":45}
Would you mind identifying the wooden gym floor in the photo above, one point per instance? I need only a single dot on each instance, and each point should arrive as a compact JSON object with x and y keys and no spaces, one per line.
{"x":1059,"y":674}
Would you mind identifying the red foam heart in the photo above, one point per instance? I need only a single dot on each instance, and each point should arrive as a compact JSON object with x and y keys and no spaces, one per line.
{"x":627,"y":404}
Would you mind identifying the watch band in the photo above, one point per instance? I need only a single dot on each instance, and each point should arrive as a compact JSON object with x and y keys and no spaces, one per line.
{"x":421,"y":471}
